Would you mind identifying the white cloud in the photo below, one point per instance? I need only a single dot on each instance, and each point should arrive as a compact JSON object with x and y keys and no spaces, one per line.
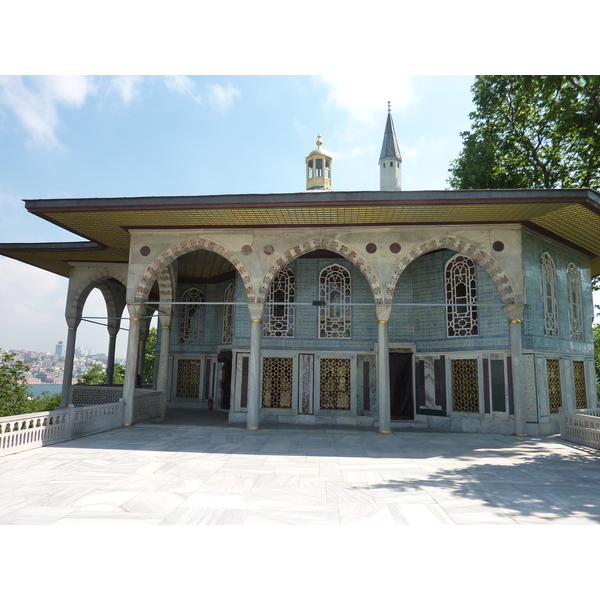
{"x":221,"y":98}
{"x":217,"y":97}
{"x":35,"y":101}
{"x":127,"y":86}
{"x":365,"y":96}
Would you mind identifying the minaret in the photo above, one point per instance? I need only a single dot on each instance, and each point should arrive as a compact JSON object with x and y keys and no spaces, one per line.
{"x":390,"y":161}
{"x":318,"y":169}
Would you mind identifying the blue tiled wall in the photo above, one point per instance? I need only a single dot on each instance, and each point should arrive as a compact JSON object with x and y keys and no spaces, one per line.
{"x":534,"y":337}
{"x":423,"y":281}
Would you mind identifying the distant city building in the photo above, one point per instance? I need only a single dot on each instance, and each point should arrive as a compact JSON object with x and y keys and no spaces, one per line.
{"x":59,"y":349}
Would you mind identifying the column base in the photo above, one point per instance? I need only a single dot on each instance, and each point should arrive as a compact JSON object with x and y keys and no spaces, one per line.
{"x":521,"y":434}
{"x":127,"y":424}
{"x":380,"y":431}
{"x":252,"y":428}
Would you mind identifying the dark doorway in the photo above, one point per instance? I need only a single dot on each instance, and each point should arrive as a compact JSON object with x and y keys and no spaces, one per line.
{"x":401,"y":396}
{"x":226,"y":359}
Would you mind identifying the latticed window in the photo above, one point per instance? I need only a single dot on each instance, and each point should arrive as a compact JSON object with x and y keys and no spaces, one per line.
{"x":465,"y":385}
{"x":549,"y":295}
{"x":554,"y":394}
{"x":188,"y":378}
{"x":574,"y":285}
{"x":229,"y":296}
{"x":334,"y":289}
{"x":277,"y":382}
{"x":461,"y":297}
{"x":579,"y":378}
{"x":190,"y":325}
{"x":334,"y":389}
{"x":279,"y":320}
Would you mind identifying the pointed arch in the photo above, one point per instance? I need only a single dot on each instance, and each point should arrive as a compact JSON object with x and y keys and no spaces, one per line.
{"x":144,"y":283}
{"x":479,"y":255}
{"x":311,"y":245}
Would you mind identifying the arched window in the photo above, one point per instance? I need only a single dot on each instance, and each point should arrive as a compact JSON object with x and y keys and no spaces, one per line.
{"x":461,"y":297}
{"x":549,"y":295}
{"x":279,"y":320}
{"x":334,"y":289}
{"x":229,"y":296}
{"x":574,"y":285}
{"x":190,"y":324}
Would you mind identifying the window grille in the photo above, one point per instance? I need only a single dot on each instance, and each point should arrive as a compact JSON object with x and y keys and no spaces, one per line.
{"x":465,"y":385}
{"x":188,"y":378}
{"x":549,"y":295}
{"x":579,"y":378}
{"x":461,"y":296}
{"x":554,"y":395}
{"x":279,"y":320}
{"x":229,"y":296}
{"x":334,"y":289}
{"x":574,"y":285}
{"x":190,"y":325}
{"x":277,"y":382}
{"x":334,"y":389}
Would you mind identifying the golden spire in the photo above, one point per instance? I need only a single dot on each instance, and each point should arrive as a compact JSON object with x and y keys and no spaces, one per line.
{"x":319,"y":142}
{"x":389,"y":106}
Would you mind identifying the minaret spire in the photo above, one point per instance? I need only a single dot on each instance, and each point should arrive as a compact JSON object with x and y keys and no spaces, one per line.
{"x":390,"y":160}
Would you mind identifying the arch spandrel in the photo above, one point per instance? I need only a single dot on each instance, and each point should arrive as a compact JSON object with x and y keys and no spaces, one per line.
{"x":479,"y":255}
{"x":344,"y":250}
{"x":143,"y":285}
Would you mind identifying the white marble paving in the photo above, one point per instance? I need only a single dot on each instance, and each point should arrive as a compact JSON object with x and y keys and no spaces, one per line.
{"x":214,"y":476}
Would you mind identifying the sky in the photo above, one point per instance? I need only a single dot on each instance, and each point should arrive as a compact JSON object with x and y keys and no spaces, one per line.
{"x":107,"y":136}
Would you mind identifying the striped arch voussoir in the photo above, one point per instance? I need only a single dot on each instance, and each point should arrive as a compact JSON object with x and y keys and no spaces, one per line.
{"x":83,"y":289}
{"x":158,"y":268}
{"x":479,"y":255}
{"x":320,"y":244}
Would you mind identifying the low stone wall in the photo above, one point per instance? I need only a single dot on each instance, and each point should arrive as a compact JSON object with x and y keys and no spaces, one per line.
{"x":33,"y":430}
{"x":146,"y":405}
{"x":581,"y":427}
{"x":84,"y":395}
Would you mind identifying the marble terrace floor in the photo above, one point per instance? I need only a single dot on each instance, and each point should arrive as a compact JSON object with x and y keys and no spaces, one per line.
{"x":175,"y":473}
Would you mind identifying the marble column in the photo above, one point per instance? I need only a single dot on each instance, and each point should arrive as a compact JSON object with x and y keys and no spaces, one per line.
{"x":254,"y":399}
{"x":69,"y":360}
{"x":136,"y":312}
{"x":383,"y":369}
{"x":162,"y":378}
{"x":515,"y":320}
{"x":110,"y":362}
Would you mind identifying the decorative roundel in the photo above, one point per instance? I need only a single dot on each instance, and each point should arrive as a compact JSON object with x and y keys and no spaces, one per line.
{"x":498,"y":246}
{"x":395,"y":248}
{"x":371,"y":248}
{"x":268,"y":249}
{"x":246,"y":250}
{"x":144,"y":250}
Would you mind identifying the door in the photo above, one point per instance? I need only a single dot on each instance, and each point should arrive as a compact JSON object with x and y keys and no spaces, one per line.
{"x":401,"y":394}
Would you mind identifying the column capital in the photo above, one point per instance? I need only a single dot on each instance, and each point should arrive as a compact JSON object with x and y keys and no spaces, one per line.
{"x":256,"y":312}
{"x":136,"y":311}
{"x":514,"y":312}
{"x":383,"y":313}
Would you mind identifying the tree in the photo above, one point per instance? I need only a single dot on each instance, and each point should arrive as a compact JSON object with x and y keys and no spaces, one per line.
{"x":14,"y":391}
{"x":531,"y":131}
{"x":96,"y":375}
{"x":597,"y":354}
{"x":150,"y":356}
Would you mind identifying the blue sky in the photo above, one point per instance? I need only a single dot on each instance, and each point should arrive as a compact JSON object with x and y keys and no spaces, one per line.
{"x":69,"y":137}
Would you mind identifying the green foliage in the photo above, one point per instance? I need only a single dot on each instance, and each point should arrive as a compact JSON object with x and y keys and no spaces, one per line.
{"x":96,"y":375}
{"x":531,"y":131}
{"x":14,"y":391}
{"x":150,"y":357}
{"x":119,"y":374}
{"x":47,"y":401}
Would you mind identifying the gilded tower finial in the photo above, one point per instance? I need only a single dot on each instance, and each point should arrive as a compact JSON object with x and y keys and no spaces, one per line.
{"x":319,"y":142}
{"x":389,"y":106}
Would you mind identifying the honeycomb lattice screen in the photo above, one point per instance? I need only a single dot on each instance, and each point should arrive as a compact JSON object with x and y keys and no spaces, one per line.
{"x":188,"y":378}
{"x":579,"y":377}
{"x":554,"y":395}
{"x":465,"y":385}
{"x":277,"y":382}
{"x":335,"y":384}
